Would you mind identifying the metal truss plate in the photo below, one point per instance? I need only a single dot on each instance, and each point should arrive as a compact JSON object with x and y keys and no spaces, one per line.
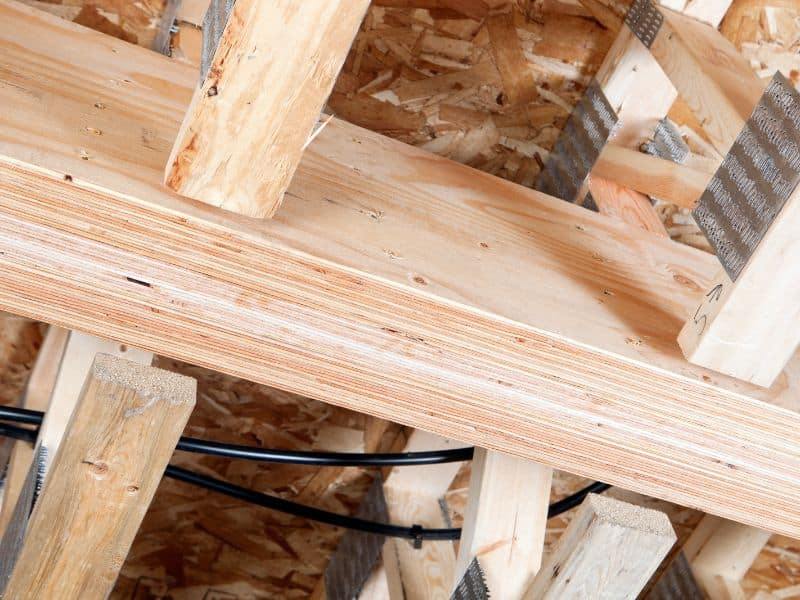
{"x":586,"y":132}
{"x":473,"y":585}
{"x":755,"y":180}
{"x":677,"y":582}
{"x":358,"y":551}
{"x":667,"y":143}
{"x":213,"y":25}
{"x":644,"y":19}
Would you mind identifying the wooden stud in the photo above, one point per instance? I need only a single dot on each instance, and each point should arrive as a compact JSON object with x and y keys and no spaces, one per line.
{"x":641,"y":95}
{"x":121,"y":436}
{"x":750,"y":328}
{"x":505,"y":521}
{"x":609,"y":550}
{"x":412,"y":497}
{"x":72,"y":368}
{"x":37,"y":397}
{"x":720,"y":553}
{"x":362,"y":301}
{"x":712,"y":77}
{"x":679,"y":184}
{"x":249,"y":121}
{"x":628,"y":205}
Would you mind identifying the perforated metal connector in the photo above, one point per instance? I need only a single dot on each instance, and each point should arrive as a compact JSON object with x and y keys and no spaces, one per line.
{"x":213,"y":25}
{"x":472,"y":585}
{"x":586,"y":132}
{"x":755,"y":180}
{"x":644,"y":19}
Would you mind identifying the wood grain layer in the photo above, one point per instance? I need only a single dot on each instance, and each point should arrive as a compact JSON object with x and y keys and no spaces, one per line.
{"x":395,"y":283}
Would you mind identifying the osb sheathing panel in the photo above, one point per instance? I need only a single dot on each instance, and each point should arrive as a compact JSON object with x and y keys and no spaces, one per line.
{"x":445,"y":75}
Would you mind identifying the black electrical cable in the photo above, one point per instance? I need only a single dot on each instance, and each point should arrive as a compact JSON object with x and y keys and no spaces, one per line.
{"x":308,"y":512}
{"x":575,"y":499}
{"x":320,"y":459}
{"x":18,"y":433}
{"x":325,"y":459}
{"x":21,"y":415}
{"x":300,"y":510}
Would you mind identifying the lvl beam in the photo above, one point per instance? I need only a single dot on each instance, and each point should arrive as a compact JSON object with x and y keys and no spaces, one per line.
{"x":395,"y":283}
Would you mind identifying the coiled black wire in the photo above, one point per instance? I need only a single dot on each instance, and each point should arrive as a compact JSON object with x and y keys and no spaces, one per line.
{"x":416,"y":533}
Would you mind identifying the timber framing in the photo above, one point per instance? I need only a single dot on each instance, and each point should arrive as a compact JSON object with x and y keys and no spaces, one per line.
{"x":392,"y":282}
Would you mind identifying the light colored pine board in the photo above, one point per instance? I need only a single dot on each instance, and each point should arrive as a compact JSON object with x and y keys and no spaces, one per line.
{"x":750,"y":328}
{"x":37,"y":397}
{"x":121,"y":436}
{"x":712,"y":77}
{"x":636,"y":87}
{"x":721,"y":553}
{"x":396,"y":283}
{"x":708,"y":11}
{"x":609,"y":550}
{"x":248,"y":123}
{"x":412,"y":497}
{"x":505,"y":522}
{"x":679,"y":184}
{"x":641,"y":95}
{"x":627,"y":205}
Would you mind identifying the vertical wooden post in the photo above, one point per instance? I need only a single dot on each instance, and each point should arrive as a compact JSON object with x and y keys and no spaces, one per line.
{"x":720,"y":552}
{"x":37,"y":397}
{"x":505,"y":521}
{"x":609,"y":550}
{"x":412,"y":497}
{"x":120,"y":437}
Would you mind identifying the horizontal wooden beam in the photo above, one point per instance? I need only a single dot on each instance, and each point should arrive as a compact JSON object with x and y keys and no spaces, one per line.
{"x":395,"y":283}
{"x":680,"y":184}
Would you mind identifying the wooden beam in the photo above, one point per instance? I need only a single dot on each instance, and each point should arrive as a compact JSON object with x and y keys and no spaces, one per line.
{"x":750,"y":328}
{"x":720,"y":554}
{"x":37,"y":397}
{"x":709,"y":73}
{"x":412,"y":497}
{"x":628,"y":205}
{"x":248,"y":123}
{"x":505,"y":522}
{"x":73,"y":368}
{"x":121,"y":436}
{"x":609,"y":550}
{"x":641,"y":95}
{"x":374,"y":289}
{"x":680,"y":184}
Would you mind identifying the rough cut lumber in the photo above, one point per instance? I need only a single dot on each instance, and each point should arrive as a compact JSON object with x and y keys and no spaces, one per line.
{"x":37,"y":397}
{"x":609,"y":550}
{"x":412,"y":497}
{"x":121,"y":436}
{"x":505,"y":522}
{"x":712,"y":77}
{"x":395,"y":283}
{"x":248,"y":123}
{"x":679,"y":184}
{"x":721,"y":552}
